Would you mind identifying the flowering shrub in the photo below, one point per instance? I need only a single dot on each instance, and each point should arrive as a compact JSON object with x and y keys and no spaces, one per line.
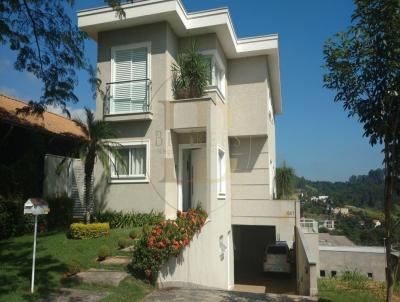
{"x":164,"y":240}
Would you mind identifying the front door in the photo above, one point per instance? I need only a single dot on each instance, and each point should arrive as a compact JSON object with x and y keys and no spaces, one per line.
{"x":193,"y":177}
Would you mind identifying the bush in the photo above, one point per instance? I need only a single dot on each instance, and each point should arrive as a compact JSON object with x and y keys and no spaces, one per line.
{"x":166,"y":239}
{"x":13,"y":222}
{"x":88,"y":231}
{"x":103,"y":253}
{"x":129,"y":219}
{"x":134,"y":233}
{"x":74,"y":267}
{"x":190,"y":74}
{"x":123,"y":243}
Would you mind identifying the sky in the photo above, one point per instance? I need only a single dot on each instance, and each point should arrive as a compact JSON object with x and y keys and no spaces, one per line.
{"x":314,"y":134}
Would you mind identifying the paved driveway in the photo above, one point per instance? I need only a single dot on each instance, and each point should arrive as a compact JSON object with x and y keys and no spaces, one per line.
{"x":200,"y":295}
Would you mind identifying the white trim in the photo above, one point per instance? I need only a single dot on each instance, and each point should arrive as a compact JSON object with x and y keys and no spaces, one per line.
{"x":216,"y":60}
{"x":180,"y":168}
{"x":216,"y":21}
{"x":128,"y":143}
{"x":221,"y":195}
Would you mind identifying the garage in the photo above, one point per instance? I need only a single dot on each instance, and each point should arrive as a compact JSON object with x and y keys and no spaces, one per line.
{"x":250,"y":242}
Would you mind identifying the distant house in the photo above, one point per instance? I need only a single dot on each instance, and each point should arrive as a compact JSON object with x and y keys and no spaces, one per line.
{"x":25,"y":139}
{"x":328,"y":224}
{"x":341,"y":211}
{"x":321,"y":198}
{"x":376,"y":222}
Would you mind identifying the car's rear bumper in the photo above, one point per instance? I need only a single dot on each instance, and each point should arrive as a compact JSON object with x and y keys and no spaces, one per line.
{"x":273,"y":268}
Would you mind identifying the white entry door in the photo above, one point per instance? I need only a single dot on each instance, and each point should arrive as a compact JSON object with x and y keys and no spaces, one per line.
{"x":199,"y":176}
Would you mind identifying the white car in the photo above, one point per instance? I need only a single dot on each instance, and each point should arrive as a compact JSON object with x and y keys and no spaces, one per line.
{"x":277,"y":258}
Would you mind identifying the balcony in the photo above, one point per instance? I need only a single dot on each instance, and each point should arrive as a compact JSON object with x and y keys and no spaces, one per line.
{"x":128,"y":101}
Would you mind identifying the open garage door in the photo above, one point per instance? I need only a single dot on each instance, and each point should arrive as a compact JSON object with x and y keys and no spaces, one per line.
{"x":250,"y":242}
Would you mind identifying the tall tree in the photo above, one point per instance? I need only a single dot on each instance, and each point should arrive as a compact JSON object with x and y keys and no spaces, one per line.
{"x":285,"y":178}
{"x":96,"y":146}
{"x":363,"y":67}
{"x":48,"y":45}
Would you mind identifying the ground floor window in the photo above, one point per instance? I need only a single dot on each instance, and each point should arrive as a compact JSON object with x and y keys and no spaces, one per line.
{"x":133,"y":163}
{"x":322,"y":273}
{"x":221,"y":173}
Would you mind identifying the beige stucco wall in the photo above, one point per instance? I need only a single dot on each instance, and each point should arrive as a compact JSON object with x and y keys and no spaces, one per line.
{"x":248,"y":96}
{"x":361,"y":262}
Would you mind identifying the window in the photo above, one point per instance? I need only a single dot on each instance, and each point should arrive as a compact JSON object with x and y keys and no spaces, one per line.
{"x":322,"y":273}
{"x":216,"y":71}
{"x":221,"y":173}
{"x":135,"y":158}
{"x":370,"y":275}
{"x":130,"y":73}
{"x":333,"y":273}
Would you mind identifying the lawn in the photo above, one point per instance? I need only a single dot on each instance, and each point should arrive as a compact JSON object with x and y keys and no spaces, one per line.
{"x":352,"y":289}
{"x":54,"y":252}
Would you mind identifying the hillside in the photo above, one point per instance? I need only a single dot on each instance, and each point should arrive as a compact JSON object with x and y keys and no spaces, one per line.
{"x":360,"y":191}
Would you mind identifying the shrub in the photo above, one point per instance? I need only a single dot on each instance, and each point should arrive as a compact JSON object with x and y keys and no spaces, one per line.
{"x":88,"y":231}
{"x":134,"y":233}
{"x":103,"y":253}
{"x":13,"y":222}
{"x":166,"y":239}
{"x":123,"y":242}
{"x":354,"y":280}
{"x":129,"y":219}
{"x":74,"y":267}
{"x":190,"y":74}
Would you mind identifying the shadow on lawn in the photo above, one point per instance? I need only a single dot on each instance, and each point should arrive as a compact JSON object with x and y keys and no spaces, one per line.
{"x":15,"y":274}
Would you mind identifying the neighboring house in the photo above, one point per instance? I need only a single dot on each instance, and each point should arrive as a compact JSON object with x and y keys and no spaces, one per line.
{"x":328,"y":224}
{"x":217,"y":150}
{"x":341,"y":211}
{"x":321,"y":198}
{"x":25,"y":139}
{"x":376,"y":222}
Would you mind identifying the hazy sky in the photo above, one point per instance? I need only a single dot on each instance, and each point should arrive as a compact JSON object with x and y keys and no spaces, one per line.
{"x":314,"y":134}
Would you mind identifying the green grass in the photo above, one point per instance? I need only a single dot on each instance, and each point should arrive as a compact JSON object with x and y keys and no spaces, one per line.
{"x":351,"y":287}
{"x":54,"y":252}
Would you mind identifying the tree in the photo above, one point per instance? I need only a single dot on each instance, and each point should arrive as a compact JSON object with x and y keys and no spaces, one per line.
{"x":97,"y":145}
{"x":285,"y":177}
{"x":363,"y":67}
{"x":48,"y":45}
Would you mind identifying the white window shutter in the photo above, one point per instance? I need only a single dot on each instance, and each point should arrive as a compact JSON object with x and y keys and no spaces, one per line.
{"x":130,"y":65}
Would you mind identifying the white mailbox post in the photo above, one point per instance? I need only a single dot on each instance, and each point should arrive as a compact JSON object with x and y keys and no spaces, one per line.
{"x":35,"y":207}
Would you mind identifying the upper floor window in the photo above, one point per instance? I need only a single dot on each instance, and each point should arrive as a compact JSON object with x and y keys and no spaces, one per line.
{"x":216,"y":71}
{"x":129,"y":87}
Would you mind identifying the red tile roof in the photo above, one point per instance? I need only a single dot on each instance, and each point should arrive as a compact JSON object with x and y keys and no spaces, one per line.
{"x":48,"y":121}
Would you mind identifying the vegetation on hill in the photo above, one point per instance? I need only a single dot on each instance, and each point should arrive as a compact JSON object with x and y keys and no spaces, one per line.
{"x":359,"y":191}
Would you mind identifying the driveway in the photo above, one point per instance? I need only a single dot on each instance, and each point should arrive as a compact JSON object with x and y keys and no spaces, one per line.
{"x":200,"y":295}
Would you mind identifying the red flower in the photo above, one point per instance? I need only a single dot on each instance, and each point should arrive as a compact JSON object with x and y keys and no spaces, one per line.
{"x":151,"y":241}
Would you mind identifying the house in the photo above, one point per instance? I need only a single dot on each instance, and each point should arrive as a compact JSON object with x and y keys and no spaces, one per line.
{"x":337,"y":255}
{"x":328,"y":224}
{"x":217,"y":150}
{"x":341,"y":211}
{"x":321,"y":198}
{"x":376,"y":222}
{"x":25,"y":140}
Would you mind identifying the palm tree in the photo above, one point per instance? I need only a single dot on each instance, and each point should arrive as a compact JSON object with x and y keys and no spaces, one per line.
{"x":97,"y":145}
{"x":285,"y":181}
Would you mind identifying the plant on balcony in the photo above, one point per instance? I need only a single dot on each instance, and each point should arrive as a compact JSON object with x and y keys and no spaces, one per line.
{"x":190,"y":74}
{"x":167,"y":238}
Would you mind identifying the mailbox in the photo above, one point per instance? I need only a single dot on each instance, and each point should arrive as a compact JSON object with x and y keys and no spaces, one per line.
{"x":36,"y":206}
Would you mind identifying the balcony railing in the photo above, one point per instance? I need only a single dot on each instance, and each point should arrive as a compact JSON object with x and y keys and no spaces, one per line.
{"x":127,"y":97}
{"x":309,"y":225}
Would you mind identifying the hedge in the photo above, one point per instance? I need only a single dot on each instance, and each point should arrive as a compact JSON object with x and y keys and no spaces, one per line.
{"x":13,"y":222}
{"x":129,"y":219}
{"x":88,"y":231}
{"x":168,"y":238}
